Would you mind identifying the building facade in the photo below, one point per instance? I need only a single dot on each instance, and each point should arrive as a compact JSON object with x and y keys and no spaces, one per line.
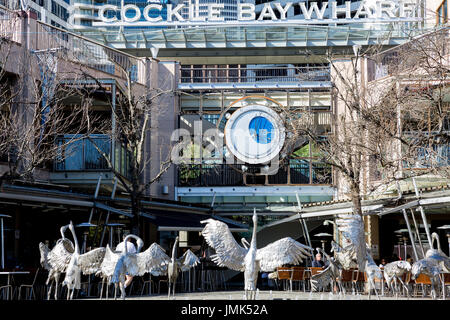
{"x":274,"y":56}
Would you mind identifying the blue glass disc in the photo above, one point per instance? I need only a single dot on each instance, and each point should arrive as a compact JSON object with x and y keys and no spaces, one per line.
{"x":261,"y":130}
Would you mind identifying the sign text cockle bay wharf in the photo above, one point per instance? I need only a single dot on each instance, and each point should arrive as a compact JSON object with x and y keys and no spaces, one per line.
{"x":271,"y":13}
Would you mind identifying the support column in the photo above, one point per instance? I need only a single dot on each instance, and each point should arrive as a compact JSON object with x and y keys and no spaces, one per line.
{"x":413,"y":243}
{"x":371,"y":226}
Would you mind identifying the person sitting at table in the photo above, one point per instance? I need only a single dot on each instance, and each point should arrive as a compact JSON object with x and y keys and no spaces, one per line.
{"x":318,"y":263}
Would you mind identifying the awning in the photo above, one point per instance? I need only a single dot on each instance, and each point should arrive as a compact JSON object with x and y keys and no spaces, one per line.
{"x":190,"y":221}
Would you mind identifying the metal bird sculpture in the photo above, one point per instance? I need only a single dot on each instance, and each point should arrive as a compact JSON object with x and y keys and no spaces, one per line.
{"x":106,"y":269}
{"x":372,"y":271}
{"x":184,"y":263}
{"x":394,"y":271}
{"x":86,"y":263}
{"x":438,"y":255}
{"x":109,"y":263}
{"x":434,"y":263}
{"x":252,"y":260}
{"x":344,"y":257}
{"x":331,"y":275}
{"x":352,"y":228}
{"x":56,"y":260}
{"x":347,"y":257}
{"x":137,"y":264}
{"x":429,"y":267}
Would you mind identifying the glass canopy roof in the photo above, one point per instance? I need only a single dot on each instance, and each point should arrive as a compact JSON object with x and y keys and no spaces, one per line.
{"x":254,"y":36}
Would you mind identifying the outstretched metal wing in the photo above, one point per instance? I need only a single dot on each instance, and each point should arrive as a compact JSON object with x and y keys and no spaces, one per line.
{"x":323,"y":279}
{"x":154,"y":257}
{"x":59,"y":256}
{"x":91,"y":261}
{"x":44,"y":251}
{"x":108,"y":263}
{"x":187,"y":261}
{"x":228,"y":252}
{"x":281,"y":252}
{"x":352,"y":228}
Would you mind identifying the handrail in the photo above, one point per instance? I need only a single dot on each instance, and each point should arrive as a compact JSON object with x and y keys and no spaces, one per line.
{"x":254,"y":73}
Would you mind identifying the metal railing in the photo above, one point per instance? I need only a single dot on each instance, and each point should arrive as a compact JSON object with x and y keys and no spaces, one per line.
{"x":89,"y":53}
{"x":298,"y":172}
{"x":81,"y":154}
{"x":254,"y":74}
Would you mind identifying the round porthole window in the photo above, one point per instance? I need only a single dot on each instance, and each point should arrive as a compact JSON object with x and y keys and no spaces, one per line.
{"x":254,"y":134}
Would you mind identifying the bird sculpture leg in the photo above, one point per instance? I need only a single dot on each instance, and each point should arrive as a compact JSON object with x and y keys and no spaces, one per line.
{"x":49,"y":288}
{"x":395,"y":286}
{"x":115,"y":290}
{"x":56,"y":285}
{"x":433,"y":289}
{"x":375,"y":289}
{"x":404,"y":286}
{"x":71,"y":295}
{"x":101,"y":290}
{"x":122,"y":289}
{"x":168,"y":288}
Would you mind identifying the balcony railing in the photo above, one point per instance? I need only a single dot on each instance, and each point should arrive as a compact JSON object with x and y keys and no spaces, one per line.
{"x":298,"y":172}
{"x":81,"y":154}
{"x":252,"y":74}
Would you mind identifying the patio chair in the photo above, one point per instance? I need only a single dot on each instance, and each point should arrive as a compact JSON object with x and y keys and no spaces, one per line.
{"x":423,"y":281}
{"x":298,"y":275}
{"x":150,"y":286}
{"x":284,"y":275}
{"x":30,"y":291}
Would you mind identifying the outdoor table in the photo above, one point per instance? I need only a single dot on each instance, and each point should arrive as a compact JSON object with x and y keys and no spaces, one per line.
{"x":9,"y":274}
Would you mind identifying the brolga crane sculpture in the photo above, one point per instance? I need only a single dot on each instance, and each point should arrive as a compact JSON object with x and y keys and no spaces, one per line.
{"x":394,"y":271}
{"x":184,"y":263}
{"x":252,"y":260}
{"x":438,"y":255}
{"x":137,"y":264}
{"x":432,"y":265}
{"x":86,"y":263}
{"x":56,"y":260}
{"x":331,"y":275}
{"x":354,"y":242}
{"x":109,"y":263}
{"x":372,"y":271}
{"x":355,"y":252}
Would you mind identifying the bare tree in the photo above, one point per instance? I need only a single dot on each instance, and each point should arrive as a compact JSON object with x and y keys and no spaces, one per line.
{"x":392,"y":125}
{"x":35,"y":109}
{"x":134,"y":110}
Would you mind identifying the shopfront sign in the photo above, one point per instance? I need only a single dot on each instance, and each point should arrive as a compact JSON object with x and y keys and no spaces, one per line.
{"x":194,"y":13}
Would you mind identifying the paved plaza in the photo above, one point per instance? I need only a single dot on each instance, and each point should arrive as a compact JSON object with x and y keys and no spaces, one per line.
{"x":266,"y":295}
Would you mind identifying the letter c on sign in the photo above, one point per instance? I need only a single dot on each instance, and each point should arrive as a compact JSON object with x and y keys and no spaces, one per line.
{"x":132,"y":7}
{"x":150,"y":7}
{"x":101,"y":13}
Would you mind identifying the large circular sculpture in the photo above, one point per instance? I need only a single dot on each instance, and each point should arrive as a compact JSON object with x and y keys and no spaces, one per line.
{"x":254,"y":134}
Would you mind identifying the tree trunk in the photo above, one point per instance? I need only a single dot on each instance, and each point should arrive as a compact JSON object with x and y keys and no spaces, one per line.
{"x":356,"y":199}
{"x":135,"y":209}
